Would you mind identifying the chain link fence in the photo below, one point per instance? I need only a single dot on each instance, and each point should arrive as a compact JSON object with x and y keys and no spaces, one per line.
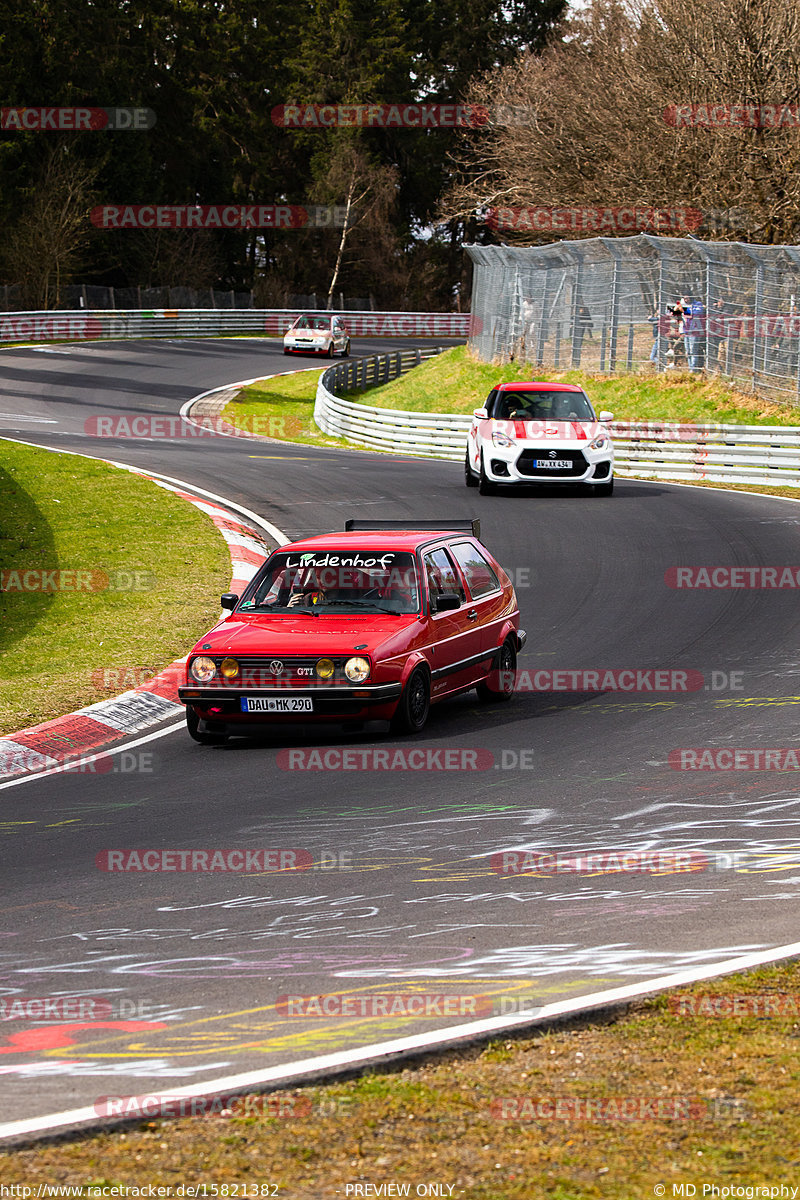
{"x":644,"y":303}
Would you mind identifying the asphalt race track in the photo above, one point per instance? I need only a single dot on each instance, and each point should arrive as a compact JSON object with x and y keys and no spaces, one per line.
{"x":193,"y":964}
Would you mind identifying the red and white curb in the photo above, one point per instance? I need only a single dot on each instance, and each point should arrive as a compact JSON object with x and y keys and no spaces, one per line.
{"x":62,"y":742}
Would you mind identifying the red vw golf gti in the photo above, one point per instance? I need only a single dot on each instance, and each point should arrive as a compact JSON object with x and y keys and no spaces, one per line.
{"x":376,"y":623}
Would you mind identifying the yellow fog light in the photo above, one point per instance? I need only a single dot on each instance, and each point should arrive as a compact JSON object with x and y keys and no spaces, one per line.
{"x":356,"y":670}
{"x":325,"y":668}
{"x":229,"y":667}
{"x":203,"y":669}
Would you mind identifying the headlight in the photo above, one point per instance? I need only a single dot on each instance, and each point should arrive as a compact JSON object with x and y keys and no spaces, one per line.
{"x":325,"y":668}
{"x":229,"y":667}
{"x":356,"y":670}
{"x":599,"y":443}
{"x":502,"y":439}
{"x":203,"y":669}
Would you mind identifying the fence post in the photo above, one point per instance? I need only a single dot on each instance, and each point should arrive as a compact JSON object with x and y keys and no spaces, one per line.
{"x":629,"y":361}
{"x":603,"y":336}
{"x":612,"y":350}
{"x":557,"y":338}
{"x":757,"y":317}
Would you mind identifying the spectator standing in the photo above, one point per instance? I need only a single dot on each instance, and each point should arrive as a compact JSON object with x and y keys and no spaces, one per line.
{"x":693,"y":330}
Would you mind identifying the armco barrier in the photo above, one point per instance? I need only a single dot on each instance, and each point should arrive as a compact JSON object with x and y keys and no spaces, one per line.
{"x":210,"y":322}
{"x":760,"y":454}
{"x":428,"y":434}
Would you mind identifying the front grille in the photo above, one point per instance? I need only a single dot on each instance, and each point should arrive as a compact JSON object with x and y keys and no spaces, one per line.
{"x":254,"y":671}
{"x":526,"y":464}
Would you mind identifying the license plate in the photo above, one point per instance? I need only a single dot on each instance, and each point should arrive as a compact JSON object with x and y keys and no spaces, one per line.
{"x":555,"y":464}
{"x":279,"y":704}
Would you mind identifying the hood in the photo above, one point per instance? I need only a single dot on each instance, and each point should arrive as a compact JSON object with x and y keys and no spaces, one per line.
{"x":262,"y":633}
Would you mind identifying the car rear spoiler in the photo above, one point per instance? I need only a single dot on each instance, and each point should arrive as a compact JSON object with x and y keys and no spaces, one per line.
{"x":469,"y":525}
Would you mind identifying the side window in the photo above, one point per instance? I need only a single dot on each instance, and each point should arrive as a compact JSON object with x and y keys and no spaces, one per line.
{"x":480,"y":576}
{"x":490,"y":399}
{"x":442,"y":575}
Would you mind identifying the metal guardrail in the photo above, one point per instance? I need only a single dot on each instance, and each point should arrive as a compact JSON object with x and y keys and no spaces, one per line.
{"x":209,"y":322}
{"x":428,"y":434}
{"x":760,"y":454}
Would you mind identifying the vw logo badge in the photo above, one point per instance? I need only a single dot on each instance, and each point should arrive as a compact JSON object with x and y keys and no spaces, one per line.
{"x":276,"y":667}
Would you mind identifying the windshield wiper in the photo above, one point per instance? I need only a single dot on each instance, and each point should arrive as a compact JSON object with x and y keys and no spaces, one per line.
{"x":373,"y":605}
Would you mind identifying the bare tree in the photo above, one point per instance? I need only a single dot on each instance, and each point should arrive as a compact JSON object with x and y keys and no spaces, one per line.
{"x":44,"y":248}
{"x":599,"y":133}
{"x":367,"y":194}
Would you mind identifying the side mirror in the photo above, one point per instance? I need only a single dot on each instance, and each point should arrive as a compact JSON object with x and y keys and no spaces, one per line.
{"x":605,"y":417}
{"x":229,"y":600}
{"x":448,"y":601}
{"x":480,"y":413}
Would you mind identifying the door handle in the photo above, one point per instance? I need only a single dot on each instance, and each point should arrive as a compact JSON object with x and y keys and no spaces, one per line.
{"x":472,"y":616}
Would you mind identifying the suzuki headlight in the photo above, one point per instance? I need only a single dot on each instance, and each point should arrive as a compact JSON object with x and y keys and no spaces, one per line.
{"x":356,"y":670}
{"x":203,"y":669}
{"x":599,"y":443}
{"x":502,"y":439}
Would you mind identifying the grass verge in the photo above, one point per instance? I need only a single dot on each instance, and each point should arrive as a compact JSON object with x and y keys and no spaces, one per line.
{"x":153,"y":569}
{"x":457,"y":382}
{"x":729,"y":1114}
{"x":282,"y":407}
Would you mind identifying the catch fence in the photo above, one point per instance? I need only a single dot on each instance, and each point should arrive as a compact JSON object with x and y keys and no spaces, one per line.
{"x":605,"y":305}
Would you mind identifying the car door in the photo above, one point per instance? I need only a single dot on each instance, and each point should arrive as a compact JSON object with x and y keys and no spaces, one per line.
{"x":455,"y":635}
{"x":488,"y":600}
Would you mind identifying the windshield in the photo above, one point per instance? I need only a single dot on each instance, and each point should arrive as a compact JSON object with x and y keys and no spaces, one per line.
{"x":543,"y":406}
{"x":323,"y":323}
{"x":334,"y":581}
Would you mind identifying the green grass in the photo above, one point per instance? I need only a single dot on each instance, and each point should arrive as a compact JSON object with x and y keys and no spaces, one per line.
{"x":282,"y":408}
{"x":457,"y":382}
{"x":433,"y":1120}
{"x":166,"y":563}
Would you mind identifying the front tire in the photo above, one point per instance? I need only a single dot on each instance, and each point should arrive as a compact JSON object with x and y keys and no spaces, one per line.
{"x":415,"y":703}
{"x":469,"y":478}
{"x":486,"y":486}
{"x":506,"y":669}
{"x":605,"y":489}
{"x":346,"y":351}
{"x":205,"y":739}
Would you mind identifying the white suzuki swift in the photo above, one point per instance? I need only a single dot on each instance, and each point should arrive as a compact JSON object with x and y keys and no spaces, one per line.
{"x":534,"y":433}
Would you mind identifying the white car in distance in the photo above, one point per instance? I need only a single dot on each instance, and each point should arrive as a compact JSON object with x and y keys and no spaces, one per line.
{"x":539,"y":433}
{"x":317,"y":333}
